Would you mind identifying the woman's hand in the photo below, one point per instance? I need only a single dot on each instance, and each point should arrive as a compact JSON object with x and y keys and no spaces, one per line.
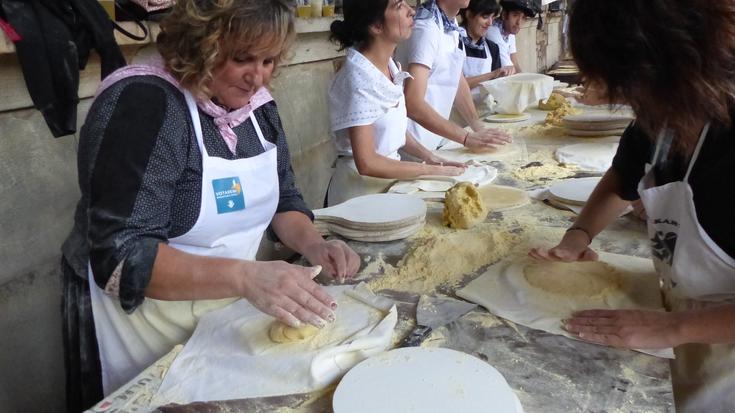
{"x":440,"y":166}
{"x":336,"y":258}
{"x":507,"y":70}
{"x":573,"y":247}
{"x":502,"y":72}
{"x":288,"y":293}
{"x":641,"y":329}
{"x":486,"y":138}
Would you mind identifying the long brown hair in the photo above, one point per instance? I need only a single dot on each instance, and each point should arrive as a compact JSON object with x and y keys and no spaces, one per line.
{"x":673,"y":61}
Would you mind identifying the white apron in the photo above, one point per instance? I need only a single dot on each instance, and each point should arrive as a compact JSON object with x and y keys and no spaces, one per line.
{"x":475,"y":66}
{"x":696,"y":273}
{"x":441,"y":89}
{"x":347,"y":183}
{"x":239,"y":200}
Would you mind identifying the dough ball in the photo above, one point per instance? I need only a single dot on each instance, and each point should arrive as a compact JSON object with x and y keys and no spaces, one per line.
{"x":463,"y":206}
{"x":587,"y":278}
{"x":283,"y":333}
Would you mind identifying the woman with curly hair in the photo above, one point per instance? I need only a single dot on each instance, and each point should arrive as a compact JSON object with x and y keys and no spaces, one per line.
{"x":674,"y":63}
{"x":183,"y":166}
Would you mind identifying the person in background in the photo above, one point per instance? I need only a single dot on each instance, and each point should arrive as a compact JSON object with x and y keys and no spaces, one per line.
{"x":367,"y":106}
{"x":183,"y":166}
{"x":674,"y":63}
{"x":482,"y":62}
{"x":434,"y":56}
{"x":504,"y":30}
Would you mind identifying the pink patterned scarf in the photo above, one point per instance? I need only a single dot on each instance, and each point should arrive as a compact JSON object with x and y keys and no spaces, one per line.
{"x":224,"y":120}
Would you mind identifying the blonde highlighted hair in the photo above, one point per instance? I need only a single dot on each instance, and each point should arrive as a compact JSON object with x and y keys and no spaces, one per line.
{"x":200,"y":35}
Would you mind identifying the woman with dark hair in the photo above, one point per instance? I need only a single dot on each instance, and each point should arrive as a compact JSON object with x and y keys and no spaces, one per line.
{"x":183,"y":166}
{"x":434,"y":56}
{"x":674,"y":63}
{"x":367,"y":106}
{"x":483,"y":55}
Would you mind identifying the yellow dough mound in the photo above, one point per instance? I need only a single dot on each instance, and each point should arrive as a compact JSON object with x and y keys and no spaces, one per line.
{"x":463,"y":206}
{"x":282,"y":333}
{"x":555,"y":101}
{"x":588,"y":278}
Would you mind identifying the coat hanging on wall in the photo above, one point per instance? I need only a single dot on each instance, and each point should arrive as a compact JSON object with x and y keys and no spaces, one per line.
{"x":56,"y":37}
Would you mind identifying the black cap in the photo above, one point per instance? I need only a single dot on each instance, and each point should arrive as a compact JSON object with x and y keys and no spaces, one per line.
{"x":528,"y":8}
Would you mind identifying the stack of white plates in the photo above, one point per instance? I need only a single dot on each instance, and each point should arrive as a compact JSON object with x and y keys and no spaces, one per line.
{"x":373,"y":218}
{"x":597,"y":124}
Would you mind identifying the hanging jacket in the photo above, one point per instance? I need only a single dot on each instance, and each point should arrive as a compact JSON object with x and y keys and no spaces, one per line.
{"x":56,"y":39}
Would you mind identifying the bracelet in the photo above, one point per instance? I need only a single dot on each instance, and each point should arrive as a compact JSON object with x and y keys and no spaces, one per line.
{"x":467,"y":135}
{"x":578,"y":228}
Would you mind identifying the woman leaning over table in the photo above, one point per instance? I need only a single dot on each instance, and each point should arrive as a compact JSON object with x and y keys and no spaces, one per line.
{"x":674,"y":63}
{"x":183,"y":165}
{"x":367,"y":106}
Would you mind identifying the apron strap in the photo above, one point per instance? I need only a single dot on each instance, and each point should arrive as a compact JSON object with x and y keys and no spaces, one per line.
{"x":662,"y":137}
{"x":259,"y":132}
{"x":695,"y":155}
{"x":194,"y":112}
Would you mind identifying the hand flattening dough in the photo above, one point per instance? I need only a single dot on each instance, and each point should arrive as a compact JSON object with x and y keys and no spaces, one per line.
{"x":283,"y":333}
{"x":463,"y":207}
{"x":587,"y":278}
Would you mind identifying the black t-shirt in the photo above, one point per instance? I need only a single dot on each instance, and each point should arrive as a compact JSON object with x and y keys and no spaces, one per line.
{"x":710,"y":180}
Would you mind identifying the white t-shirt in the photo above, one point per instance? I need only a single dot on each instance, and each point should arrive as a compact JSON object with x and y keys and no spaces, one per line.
{"x":507,"y":45}
{"x":360,"y":95}
{"x":430,"y":46}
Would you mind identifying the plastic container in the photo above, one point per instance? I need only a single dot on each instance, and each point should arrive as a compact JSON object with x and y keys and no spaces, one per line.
{"x":303,"y":9}
{"x":316,"y":7}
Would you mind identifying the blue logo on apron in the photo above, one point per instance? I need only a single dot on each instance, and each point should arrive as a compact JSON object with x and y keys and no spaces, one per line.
{"x":228,"y":195}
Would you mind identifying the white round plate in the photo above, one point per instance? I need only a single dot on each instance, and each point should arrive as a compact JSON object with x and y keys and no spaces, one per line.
{"x":594,"y":133}
{"x":380,"y":209}
{"x":599,"y":117}
{"x":416,"y":379}
{"x":588,"y":156}
{"x":504,"y":118}
{"x":574,"y":191}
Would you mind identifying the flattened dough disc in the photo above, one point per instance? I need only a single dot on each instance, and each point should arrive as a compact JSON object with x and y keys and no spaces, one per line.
{"x":503,"y":198}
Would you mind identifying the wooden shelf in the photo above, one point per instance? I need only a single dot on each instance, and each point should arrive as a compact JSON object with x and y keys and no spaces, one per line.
{"x":313,"y":25}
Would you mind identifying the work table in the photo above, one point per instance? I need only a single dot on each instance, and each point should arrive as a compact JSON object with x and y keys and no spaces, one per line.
{"x":549,"y":373}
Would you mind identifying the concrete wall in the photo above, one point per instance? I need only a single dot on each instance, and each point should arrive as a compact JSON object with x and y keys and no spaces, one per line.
{"x":38,"y":191}
{"x":539,"y":49}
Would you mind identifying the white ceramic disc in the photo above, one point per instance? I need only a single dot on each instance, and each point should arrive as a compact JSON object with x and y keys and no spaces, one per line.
{"x":424,"y":380}
{"x":588,"y":156}
{"x":595,"y":133}
{"x":574,"y":191}
{"x":374,"y":209}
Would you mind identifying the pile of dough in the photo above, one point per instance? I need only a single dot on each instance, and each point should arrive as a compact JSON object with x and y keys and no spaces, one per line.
{"x":463,"y":206}
{"x":586,"y":278}
{"x":283,"y":333}
{"x":557,"y":115}
{"x":555,"y":101}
